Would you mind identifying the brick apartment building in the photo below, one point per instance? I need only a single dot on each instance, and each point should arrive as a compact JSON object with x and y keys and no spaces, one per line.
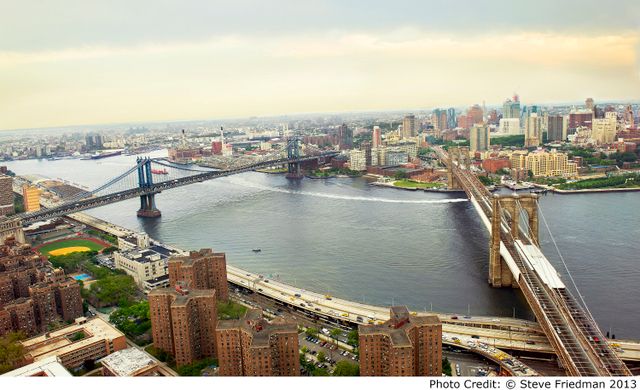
{"x":32,"y":294}
{"x":405,"y":345}
{"x":202,"y":269}
{"x":183,"y":322}
{"x":251,"y":346}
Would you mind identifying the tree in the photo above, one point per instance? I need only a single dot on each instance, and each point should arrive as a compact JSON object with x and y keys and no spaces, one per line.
{"x":321,"y":356}
{"x":446,"y":367}
{"x":352,"y":338}
{"x":11,"y":351}
{"x":345,"y":368}
{"x":313,"y":332}
{"x":133,"y":320}
{"x":401,"y":174}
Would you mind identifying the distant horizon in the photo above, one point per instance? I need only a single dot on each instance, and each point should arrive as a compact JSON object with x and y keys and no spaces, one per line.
{"x":318,"y":113}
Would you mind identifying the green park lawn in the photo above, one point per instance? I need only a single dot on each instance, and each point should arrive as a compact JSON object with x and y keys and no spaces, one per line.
{"x":415,"y":184}
{"x":45,"y":249}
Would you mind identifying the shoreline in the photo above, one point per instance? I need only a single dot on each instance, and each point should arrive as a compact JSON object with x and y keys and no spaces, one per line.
{"x":593,"y":190}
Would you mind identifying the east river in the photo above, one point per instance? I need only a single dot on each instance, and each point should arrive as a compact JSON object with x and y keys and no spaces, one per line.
{"x":380,"y":245}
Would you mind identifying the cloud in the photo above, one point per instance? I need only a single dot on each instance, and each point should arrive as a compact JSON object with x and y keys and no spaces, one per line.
{"x":335,"y":70}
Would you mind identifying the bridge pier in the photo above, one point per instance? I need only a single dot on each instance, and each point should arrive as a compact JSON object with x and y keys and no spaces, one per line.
{"x":293,"y":152}
{"x":148,"y":207}
{"x":452,"y":183}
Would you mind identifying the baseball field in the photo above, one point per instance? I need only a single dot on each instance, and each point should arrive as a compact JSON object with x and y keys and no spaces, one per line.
{"x":64,"y":247}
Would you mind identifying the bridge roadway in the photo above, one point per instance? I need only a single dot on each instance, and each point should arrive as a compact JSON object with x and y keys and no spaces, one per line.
{"x":98,"y":201}
{"x":571,"y":331}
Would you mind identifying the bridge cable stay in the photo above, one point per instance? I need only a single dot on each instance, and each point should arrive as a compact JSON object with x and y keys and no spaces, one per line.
{"x":180,"y":168}
{"x":86,"y":194}
{"x":555,"y":244}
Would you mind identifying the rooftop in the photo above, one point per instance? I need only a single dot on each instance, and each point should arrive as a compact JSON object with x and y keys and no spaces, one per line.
{"x":50,"y":367}
{"x":59,"y":342}
{"x":397,"y":326}
{"x":128,"y":362}
{"x":182,"y":298}
{"x":261,"y":330}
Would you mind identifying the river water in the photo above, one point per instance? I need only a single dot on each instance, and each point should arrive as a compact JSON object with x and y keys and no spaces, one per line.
{"x":379,"y":245}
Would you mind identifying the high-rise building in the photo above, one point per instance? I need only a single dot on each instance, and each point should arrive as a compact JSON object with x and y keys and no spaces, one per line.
{"x":409,"y":126}
{"x":511,"y":108}
{"x":533,"y":131}
{"x":546,"y":164}
{"x":43,"y":296}
{"x":345,"y":137}
{"x":589,"y":104}
{"x":203,"y":269}
{"x":439,"y":120}
{"x":556,"y":128}
{"x":69,"y":300}
{"x":628,"y":116}
{"x":405,"y":345}
{"x":603,"y":130}
{"x":22,"y":316}
{"x":509,"y":126}
{"x":252,"y":346}
{"x":6,"y":195}
{"x":579,"y":118}
{"x":183,"y":322}
{"x":358,"y":160}
{"x":474,"y":115}
{"x":479,"y":138}
{"x":451,"y":118}
{"x":31,"y":198}
{"x":376,"y":137}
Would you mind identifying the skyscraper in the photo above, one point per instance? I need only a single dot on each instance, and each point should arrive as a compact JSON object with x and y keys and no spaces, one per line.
{"x":251,"y":346}
{"x":474,"y":115}
{"x":403,"y":346}
{"x":203,"y":269}
{"x":451,"y":118}
{"x":511,"y":109}
{"x":376,"y":137}
{"x":533,"y":131}
{"x":345,"y":137}
{"x":557,"y":128}
{"x":183,"y":322}
{"x":409,"y":127}
{"x":479,"y":138}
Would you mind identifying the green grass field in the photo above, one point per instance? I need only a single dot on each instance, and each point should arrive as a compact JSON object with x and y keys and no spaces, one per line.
{"x":45,"y":249}
{"x":414,"y":184}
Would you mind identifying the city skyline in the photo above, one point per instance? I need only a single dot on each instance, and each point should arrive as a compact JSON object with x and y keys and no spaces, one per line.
{"x":99,"y":64}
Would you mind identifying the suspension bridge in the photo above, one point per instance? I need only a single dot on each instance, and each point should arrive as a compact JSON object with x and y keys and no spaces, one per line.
{"x":515,"y":260}
{"x":150,"y":176}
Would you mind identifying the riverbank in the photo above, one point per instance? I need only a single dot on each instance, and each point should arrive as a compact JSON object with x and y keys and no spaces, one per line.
{"x":594,"y":190}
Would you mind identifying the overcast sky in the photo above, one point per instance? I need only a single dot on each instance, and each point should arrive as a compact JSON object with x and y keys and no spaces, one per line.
{"x":68,"y":62}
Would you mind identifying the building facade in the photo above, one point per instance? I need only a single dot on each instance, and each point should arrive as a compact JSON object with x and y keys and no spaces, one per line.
{"x":6,"y":195}
{"x":409,"y":126}
{"x":203,"y":269}
{"x":251,"y":346}
{"x":533,"y":131}
{"x":556,"y":128}
{"x":358,"y":160}
{"x":479,"y":138}
{"x":405,"y":345}
{"x":183,"y":322}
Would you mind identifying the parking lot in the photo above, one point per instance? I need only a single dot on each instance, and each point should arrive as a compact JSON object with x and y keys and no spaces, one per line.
{"x":332,"y":353}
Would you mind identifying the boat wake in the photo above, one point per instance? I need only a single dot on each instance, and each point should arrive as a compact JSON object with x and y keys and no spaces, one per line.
{"x":342,"y":197}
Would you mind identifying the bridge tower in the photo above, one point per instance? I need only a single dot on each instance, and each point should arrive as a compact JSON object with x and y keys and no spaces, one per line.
{"x":293,"y":152}
{"x":454,"y":156}
{"x":499,"y":273}
{"x":145,"y":180}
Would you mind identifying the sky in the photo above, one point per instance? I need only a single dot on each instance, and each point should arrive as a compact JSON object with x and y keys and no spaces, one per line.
{"x":72,"y":62}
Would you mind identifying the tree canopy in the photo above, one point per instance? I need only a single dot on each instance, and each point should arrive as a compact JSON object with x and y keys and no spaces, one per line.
{"x":11,"y":351}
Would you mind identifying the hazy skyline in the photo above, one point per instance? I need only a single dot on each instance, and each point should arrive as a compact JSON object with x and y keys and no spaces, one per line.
{"x":84,"y":62}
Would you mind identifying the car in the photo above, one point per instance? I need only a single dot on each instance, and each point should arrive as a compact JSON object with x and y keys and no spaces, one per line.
{"x":473,"y":336}
{"x":530,"y":342}
{"x":259,"y":289}
{"x":467,"y":317}
{"x":454,"y":317}
{"x":345,"y":314}
{"x":359,"y":319}
{"x":298,"y":295}
{"x":303,"y":305}
{"x":313,"y":352}
{"x":596,"y":339}
{"x":266,"y":281}
{"x":318,"y":309}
